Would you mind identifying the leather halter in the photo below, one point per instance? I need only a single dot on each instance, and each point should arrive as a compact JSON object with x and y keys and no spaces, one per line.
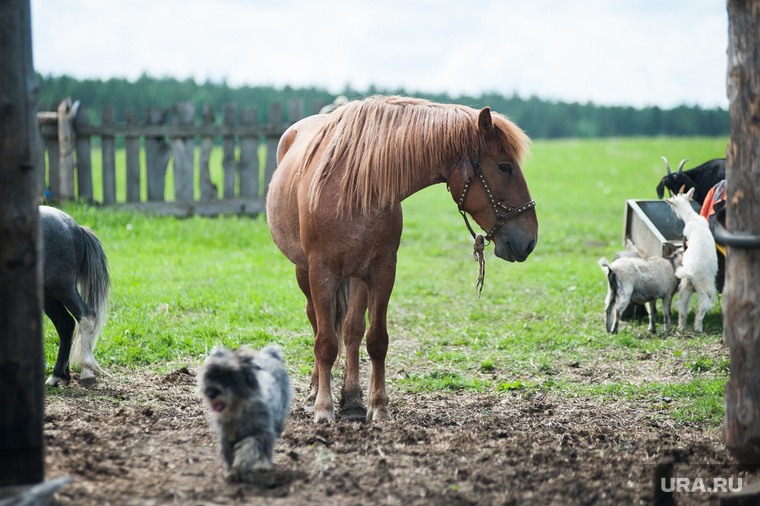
{"x":502,"y":211}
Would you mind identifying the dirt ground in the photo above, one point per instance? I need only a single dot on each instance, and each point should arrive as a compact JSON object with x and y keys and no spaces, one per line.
{"x":143,"y":438}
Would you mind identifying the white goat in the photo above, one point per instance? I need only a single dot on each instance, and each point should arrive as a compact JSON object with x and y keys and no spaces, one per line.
{"x":641,"y":281}
{"x":700,"y":261}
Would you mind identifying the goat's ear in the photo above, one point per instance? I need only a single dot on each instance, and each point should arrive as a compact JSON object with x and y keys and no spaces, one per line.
{"x":485,"y":123}
{"x":690,"y":193}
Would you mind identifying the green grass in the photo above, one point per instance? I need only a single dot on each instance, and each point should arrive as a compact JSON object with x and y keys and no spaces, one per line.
{"x":181,"y":287}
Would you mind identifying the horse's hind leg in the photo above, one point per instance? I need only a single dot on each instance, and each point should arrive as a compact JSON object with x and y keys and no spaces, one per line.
{"x":64,"y":324}
{"x":85,"y":338}
{"x":351,"y":405}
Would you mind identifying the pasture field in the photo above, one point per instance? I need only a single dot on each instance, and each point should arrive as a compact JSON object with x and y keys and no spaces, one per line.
{"x":536,"y":335}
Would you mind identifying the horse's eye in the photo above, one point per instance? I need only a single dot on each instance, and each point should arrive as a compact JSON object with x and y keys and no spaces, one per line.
{"x":505,"y":168}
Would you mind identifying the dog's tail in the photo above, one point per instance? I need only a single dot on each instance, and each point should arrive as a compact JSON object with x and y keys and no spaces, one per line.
{"x":341,"y":310}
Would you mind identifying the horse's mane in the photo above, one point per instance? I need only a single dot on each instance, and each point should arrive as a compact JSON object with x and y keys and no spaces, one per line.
{"x":388,"y":144}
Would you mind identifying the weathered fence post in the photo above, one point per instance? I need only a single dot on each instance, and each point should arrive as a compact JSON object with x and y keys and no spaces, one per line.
{"x":54,"y":162}
{"x":183,"y":149}
{"x":248,"y":167}
{"x":84,"y":155}
{"x":208,"y":190}
{"x":66,"y":140}
{"x":157,"y":153}
{"x":296,"y":109}
{"x":274,"y":117}
{"x":21,"y":352}
{"x":108,"y":150}
{"x":132,"y":147}
{"x":741,"y":294}
{"x":229,"y":113}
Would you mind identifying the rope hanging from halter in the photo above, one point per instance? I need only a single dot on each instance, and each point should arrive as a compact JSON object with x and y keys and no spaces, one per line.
{"x":499,"y":220}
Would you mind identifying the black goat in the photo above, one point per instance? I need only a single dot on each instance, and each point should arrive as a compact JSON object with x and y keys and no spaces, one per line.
{"x":700,"y":178}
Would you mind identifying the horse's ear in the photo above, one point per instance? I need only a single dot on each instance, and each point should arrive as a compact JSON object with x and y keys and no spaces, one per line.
{"x":485,"y":123}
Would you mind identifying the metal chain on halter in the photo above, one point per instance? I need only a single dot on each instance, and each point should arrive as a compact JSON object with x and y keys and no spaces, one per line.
{"x":477,"y":251}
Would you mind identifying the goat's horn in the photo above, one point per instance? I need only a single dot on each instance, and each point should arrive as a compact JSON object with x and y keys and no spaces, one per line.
{"x":680,"y":165}
{"x":667,"y":165}
{"x":681,"y":189}
{"x":671,"y":193}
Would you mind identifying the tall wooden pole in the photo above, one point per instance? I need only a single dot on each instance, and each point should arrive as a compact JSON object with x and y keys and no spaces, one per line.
{"x":741,"y":294}
{"x":21,"y":355}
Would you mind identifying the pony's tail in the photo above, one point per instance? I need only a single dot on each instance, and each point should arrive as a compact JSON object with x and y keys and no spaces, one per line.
{"x":94,"y":285}
{"x":341,"y":310}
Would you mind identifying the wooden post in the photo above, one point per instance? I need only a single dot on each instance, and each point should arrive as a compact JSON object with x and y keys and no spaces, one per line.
{"x":132,"y":147}
{"x":108,"y":150}
{"x":54,"y":162}
{"x":157,"y":153}
{"x":296,"y":110}
{"x":66,"y":139}
{"x":229,"y":112}
{"x":249,"y":157}
{"x":274,"y":117}
{"x":183,"y":149}
{"x":84,"y":155}
{"x":741,"y":293}
{"x":208,"y":189}
{"x":21,"y":352}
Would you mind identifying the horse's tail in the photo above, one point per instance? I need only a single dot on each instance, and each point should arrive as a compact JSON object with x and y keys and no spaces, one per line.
{"x":94,"y":285}
{"x":341,"y":310}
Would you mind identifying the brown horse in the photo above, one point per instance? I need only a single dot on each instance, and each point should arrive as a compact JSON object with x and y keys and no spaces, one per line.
{"x":334,"y":209}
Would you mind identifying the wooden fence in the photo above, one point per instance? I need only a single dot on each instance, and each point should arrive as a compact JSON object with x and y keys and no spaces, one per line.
{"x":68,"y":134}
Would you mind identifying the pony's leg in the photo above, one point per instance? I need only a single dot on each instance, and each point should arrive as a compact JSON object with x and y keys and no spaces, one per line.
{"x":64,"y":324}
{"x":324,"y":287}
{"x":377,"y":340}
{"x":90,"y":368}
{"x":652,"y":310}
{"x":684,"y":298}
{"x":302,"y":277}
{"x":85,"y":338}
{"x":351,"y":405}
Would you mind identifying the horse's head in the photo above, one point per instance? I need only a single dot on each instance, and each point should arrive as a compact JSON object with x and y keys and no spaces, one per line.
{"x":490,"y":186}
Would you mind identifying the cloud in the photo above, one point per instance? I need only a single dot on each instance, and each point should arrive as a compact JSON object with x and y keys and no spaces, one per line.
{"x":642,"y":52}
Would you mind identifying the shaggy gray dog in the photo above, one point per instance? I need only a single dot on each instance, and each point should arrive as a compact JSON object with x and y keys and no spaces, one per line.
{"x":249,"y":395}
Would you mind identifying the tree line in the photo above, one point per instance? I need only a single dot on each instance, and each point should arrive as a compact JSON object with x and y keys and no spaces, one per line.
{"x":539,"y":118}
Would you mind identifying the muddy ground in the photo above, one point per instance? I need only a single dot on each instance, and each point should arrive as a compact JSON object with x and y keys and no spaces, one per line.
{"x":143,"y":438}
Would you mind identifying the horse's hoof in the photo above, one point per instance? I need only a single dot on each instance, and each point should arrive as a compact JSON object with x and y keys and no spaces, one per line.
{"x":357,"y":412}
{"x":323,"y":416}
{"x":378,"y":415}
{"x":88,"y":382}
{"x":55,"y":382}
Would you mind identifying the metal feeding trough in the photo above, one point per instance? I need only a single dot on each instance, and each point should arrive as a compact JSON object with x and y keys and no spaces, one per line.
{"x":651,"y":227}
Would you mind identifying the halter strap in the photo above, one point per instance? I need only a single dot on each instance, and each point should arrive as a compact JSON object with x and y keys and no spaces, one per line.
{"x":502,"y":211}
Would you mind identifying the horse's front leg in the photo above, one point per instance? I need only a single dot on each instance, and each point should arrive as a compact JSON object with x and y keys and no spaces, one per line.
{"x":377,"y":340}
{"x":324,"y":286}
{"x":302,"y":277}
{"x":351,"y":405}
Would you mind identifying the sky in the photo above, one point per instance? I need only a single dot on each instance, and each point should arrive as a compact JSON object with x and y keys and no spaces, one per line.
{"x":640,"y":53}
